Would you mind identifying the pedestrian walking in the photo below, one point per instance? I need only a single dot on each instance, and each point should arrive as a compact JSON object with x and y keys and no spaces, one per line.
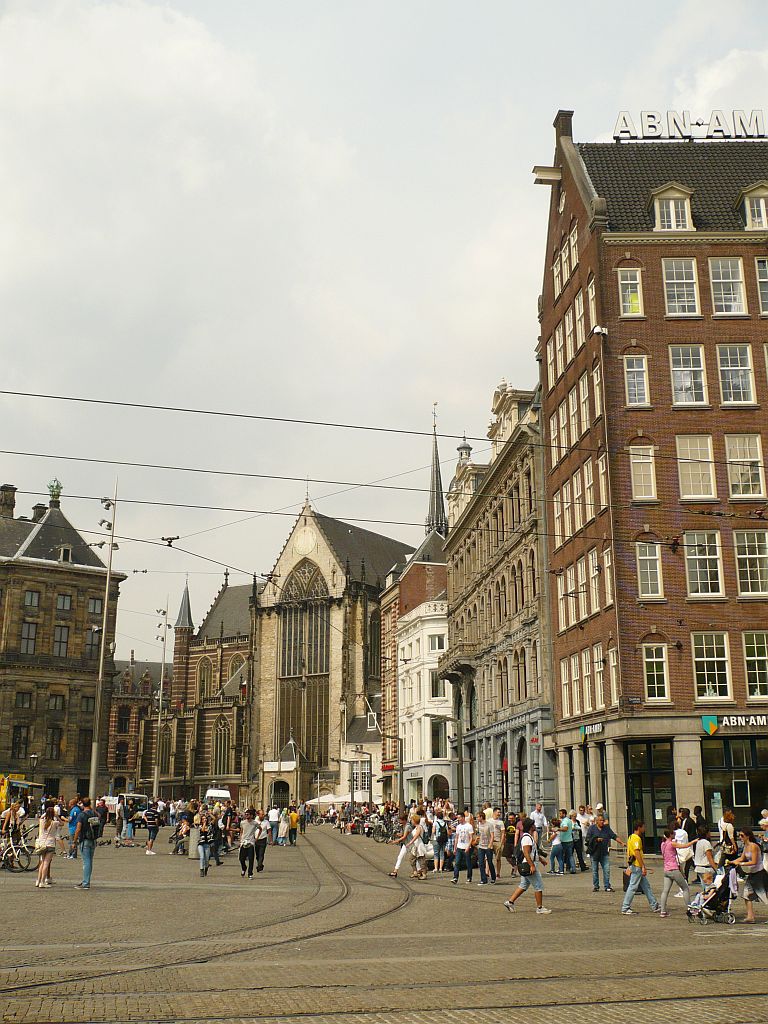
{"x":293,"y":826}
{"x":599,"y":837}
{"x":86,"y":833}
{"x":556,"y":855}
{"x":566,"y":842}
{"x":578,"y":841}
{"x":248,"y":843}
{"x":463,"y":834}
{"x":704,"y":863}
{"x":528,"y":859}
{"x":205,"y":842}
{"x":282,"y":828}
{"x":439,"y":841}
{"x":539,"y":819}
{"x":485,"y":849}
{"x":755,"y":877}
{"x":636,"y":872}
{"x":402,"y":830}
{"x":152,"y":821}
{"x":303,"y":807}
{"x":416,"y":847}
{"x":672,"y":873}
{"x":498,"y":838}
{"x":262,"y":836}
{"x":73,"y":811}
{"x":48,"y":833}
{"x":273,"y":816}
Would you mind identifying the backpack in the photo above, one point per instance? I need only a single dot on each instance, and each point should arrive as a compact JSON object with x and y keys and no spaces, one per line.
{"x":521,"y":861}
{"x":441,"y":831}
{"x":90,"y":828}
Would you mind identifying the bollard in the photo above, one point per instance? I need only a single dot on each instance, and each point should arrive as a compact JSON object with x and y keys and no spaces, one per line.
{"x":194,"y":835}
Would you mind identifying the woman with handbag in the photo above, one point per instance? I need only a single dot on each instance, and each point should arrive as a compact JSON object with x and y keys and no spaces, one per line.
{"x":45,"y":846}
{"x":248,"y":842}
{"x":416,"y":847}
{"x":528,"y":858}
{"x":750,"y":865}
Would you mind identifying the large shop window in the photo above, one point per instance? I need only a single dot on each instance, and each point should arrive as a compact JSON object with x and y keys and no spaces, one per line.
{"x":735,"y":776}
{"x":650,"y":787}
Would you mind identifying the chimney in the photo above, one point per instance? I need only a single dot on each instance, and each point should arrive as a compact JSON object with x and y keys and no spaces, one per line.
{"x":563,"y":125}
{"x":38,"y":511}
{"x":7,"y":501}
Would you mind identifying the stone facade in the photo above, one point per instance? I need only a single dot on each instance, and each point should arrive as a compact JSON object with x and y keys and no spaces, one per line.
{"x":51,"y":599}
{"x":497,"y":654}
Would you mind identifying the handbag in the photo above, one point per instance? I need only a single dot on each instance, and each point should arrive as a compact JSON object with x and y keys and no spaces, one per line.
{"x":40,"y":847}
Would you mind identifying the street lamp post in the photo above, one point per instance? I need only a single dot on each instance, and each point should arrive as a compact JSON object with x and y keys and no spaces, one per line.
{"x":165,"y":627}
{"x":460,"y":755}
{"x":110,"y":527}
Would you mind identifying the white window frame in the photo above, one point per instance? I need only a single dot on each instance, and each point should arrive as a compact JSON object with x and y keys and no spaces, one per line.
{"x":591,"y":304}
{"x":739,"y":462}
{"x":679,"y":217}
{"x":751,"y":553}
{"x":642,"y":472}
{"x":570,"y":588}
{"x":581,"y":587}
{"x":576,"y":683}
{"x":694,"y":541}
{"x":761,"y":274}
{"x":656,"y":661}
{"x":599,"y":673}
{"x":573,"y":242}
{"x":707,"y":698}
{"x":669,"y":272}
{"x":578,"y":507}
{"x":613,"y":674}
{"x":586,"y":677}
{"x":756,"y":657}
{"x":679,"y":353}
{"x":560,"y":349}
{"x":687,"y":460}
{"x":638,"y":375}
{"x":578,"y":309}
{"x":562,"y":607}
{"x":759,"y":223}
{"x":573,"y":416}
{"x":630,"y":282}
{"x":551,"y":371}
{"x":556,"y":276}
{"x":594,"y":581}
{"x":589,"y":491}
{"x":562,"y":413}
{"x":554,"y":440}
{"x":569,"y":334}
{"x":565,"y":688}
{"x":557,"y":517}
{"x":742,"y":309}
{"x":567,"y":510}
{"x":584,"y":403}
{"x":597,"y":393}
{"x":648,"y":558}
{"x":608,"y":576}
{"x":565,"y":261}
{"x":602,"y":479}
{"x":749,"y":367}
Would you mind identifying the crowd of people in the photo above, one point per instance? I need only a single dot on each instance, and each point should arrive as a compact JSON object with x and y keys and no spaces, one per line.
{"x":434,"y":837}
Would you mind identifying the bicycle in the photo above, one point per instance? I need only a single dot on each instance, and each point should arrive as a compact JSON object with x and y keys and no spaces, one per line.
{"x":14,"y":856}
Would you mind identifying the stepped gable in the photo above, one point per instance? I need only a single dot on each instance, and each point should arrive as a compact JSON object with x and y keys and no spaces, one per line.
{"x":625,"y":174}
{"x":370,"y":556}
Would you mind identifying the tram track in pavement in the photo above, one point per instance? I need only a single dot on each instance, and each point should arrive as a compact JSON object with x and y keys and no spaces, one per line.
{"x":231,"y":951}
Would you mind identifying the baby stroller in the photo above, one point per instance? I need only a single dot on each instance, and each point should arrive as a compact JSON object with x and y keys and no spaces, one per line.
{"x":715,"y":902}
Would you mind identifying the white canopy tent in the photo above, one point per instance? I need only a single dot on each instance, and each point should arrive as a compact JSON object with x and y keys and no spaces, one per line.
{"x":361,"y":796}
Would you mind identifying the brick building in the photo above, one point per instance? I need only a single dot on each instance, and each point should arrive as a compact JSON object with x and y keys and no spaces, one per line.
{"x":654,"y":391}
{"x":51,"y":605}
{"x":497,"y":638}
{"x":134,"y":701}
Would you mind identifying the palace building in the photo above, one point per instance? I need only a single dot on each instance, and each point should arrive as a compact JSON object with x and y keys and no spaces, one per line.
{"x":654,"y":391}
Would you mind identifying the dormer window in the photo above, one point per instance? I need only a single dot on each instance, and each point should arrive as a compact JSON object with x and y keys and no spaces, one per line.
{"x":65,"y":553}
{"x":672,"y":207}
{"x":756,"y":214}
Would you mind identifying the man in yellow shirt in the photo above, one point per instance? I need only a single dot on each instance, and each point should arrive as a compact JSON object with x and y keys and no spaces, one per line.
{"x":638,"y":880}
{"x":293,"y":825}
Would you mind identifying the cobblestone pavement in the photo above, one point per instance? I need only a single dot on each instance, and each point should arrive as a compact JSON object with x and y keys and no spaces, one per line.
{"x":324,"y":935}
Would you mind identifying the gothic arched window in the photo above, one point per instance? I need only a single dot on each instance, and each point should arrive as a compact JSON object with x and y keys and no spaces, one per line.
{"x":220,"y":755}
{"x":165,"y":750}
{"x":205,"y":679}
{"x":374,"y":645}
{"x":306,"y":626}
{"x":235,"y":664}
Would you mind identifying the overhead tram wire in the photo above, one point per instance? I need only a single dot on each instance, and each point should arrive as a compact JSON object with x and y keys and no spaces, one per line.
{"x":408,"y":432}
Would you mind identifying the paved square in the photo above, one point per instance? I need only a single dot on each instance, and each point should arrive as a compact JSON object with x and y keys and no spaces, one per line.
{"x":325,"y":935}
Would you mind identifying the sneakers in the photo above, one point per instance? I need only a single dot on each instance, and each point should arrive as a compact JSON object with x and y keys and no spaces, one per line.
{"x":150,"y":853}
{"x":493,"y":881}
{"x":627,"y":913}
{"x":679,"y":895}
{"x":609,"y":889}
{"x":482,"y":883}
{"x":242,"y":874}
{"x":81,"y":886}
{"x":656,"y":909}
{"x":543,"y":910}
{"x":454,"y":881}
{"x":510,"y":906}
{"x":597,"y":889}
{"x":664,"y":913}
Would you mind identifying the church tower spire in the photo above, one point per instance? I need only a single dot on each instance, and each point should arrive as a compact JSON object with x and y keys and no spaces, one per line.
{"x":436,"y":520}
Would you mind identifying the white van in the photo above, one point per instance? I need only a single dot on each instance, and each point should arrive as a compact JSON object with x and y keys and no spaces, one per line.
{"x":220,"y":795}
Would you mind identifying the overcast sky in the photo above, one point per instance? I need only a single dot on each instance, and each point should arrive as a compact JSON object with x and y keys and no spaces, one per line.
{"x":320,"y":210}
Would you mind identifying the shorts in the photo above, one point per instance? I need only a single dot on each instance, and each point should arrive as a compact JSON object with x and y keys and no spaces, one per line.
{"x":151,"y":834}
{"x":535,"y":880}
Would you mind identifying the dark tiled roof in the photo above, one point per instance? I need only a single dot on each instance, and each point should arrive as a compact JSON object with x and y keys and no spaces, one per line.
{"x":184,"y":618}
{"x":232,"y":610}
{"x":431,"y":549}
{"x":625,"y":174}
{"x":351,"y":543}
{"x":26,"y":539}
{"x":358,"y":729}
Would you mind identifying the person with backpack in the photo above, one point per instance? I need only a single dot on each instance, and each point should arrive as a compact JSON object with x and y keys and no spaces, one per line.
{"x":439,"y":841}
{"x":86,"y":834}
{"x":528,"y":858}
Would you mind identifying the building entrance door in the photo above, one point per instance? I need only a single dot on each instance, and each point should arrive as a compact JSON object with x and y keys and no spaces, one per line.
{"x":650,"y":787}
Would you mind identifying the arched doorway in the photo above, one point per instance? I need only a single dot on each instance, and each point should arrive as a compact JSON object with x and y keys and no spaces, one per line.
{"x":522,"y":774}
{"x":438,"y":787}
{"x":279,"y":793}
{"x":502,"y":774}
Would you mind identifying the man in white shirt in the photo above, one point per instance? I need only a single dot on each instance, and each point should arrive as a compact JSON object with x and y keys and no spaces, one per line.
{"x":462,"y":848}
{"x":273,"y":817}
{"x":539,"y":819}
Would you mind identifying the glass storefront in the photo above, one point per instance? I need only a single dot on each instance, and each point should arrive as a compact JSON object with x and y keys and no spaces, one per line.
{"x":736,"y":777}
{"x":650,"y":787}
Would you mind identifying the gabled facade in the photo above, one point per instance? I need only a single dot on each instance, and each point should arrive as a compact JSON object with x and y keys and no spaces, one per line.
{"x":654,"y":387}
